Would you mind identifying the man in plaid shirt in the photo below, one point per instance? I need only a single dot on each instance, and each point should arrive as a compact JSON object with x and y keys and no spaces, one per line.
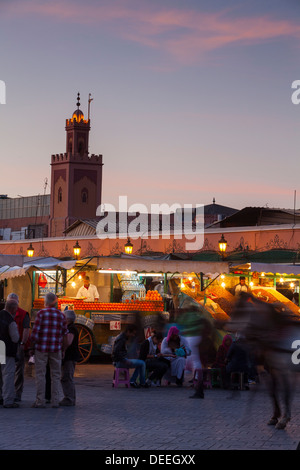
{"x":48,"y":339}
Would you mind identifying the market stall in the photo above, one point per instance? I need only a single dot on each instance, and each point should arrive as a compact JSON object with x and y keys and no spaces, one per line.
{"x":272,"y":283}
{"x":124,"y":286}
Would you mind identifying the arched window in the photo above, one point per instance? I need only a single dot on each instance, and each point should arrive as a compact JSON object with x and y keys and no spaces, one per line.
{"x":84,"y":196}
{"x":59,"y":198}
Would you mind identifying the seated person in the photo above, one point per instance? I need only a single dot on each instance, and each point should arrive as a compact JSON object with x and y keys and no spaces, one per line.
{"x":156,"y":364}
{"x":175,"y":348}
{"x":121,"y":360}
{"x":241,"y":287}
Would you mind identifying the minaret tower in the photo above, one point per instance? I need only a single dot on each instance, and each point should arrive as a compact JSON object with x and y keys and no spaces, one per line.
{"x":76,"y":177}
{"x":77,"y":130}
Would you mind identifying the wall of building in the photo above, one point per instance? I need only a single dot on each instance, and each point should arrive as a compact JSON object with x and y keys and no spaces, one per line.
{"x":19,"y":216}
{"x":253,"y":238}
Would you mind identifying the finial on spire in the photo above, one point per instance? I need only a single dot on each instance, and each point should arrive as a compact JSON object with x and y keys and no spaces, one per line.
{"x":78,"y":100}
{"x":89,"y":105}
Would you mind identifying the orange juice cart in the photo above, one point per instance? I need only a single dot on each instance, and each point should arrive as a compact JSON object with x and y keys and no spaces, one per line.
{"x":99,"y":323}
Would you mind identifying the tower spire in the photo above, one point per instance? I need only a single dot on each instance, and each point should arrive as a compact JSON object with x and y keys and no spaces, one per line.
{"x":89,"y":105}
{"x":78,"y":100}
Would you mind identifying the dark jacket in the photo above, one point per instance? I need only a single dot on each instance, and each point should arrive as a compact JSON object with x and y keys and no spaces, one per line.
{"x":5,"y":321}
{"x":119,"y":350}
{"x":72,"y":352}
{"x":144,"y":351}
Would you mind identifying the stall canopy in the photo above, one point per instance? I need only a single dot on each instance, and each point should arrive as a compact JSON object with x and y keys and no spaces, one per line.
{"x":163,"y":265}
{"x":44,"y":264}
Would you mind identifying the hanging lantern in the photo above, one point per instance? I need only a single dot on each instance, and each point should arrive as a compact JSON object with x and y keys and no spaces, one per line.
{"x":76,"y":250}
{"x":42,"y":282}
{"x":222,"y":244}
{"x":30,"y":251}
{"x":128,"y":247}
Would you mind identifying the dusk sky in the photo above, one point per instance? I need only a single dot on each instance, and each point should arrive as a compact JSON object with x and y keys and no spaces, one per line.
{"x":191,"y":98}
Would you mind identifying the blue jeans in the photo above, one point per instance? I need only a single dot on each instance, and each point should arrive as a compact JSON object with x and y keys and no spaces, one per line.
{"x":140,"y":369}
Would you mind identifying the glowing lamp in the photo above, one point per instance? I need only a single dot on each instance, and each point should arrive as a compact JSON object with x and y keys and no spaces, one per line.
{"x":30,"y":251}
{"x":128,"y":247}
{"x":222,"y":244}
{"x":76,"y":250}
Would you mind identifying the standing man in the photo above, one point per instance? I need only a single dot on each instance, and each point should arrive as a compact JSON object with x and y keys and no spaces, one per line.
{"x":10,"y":336}
{"x":48,"y":338}
{"x":22,"y":320}
{"x":88,"y":291}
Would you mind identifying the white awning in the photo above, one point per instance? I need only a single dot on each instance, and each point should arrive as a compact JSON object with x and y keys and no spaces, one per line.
{"x":43,"y":264}
{"x":163,"y":265}
{"x":13,"y":271}
{"x":4,"y":268}
{"x":50,"y":263}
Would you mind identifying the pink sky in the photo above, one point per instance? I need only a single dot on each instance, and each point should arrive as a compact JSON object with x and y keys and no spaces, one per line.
{"x":192,"y":100}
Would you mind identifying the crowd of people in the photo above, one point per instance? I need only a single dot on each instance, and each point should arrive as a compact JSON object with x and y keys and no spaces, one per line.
{"x":53,"y":343}
{"x":166,"y":358}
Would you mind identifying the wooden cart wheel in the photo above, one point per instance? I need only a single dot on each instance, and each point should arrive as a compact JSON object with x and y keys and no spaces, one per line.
{"x":85,"y":343}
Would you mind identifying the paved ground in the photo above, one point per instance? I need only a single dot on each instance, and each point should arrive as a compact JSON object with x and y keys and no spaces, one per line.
{"x":163,"y":418}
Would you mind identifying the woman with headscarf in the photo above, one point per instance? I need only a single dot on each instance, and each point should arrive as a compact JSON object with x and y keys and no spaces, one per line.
{"x":222,"y":352}
{"x":175,"y":348}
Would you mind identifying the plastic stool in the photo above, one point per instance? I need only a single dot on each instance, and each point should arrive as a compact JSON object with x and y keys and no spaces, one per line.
{"x":118,"y":380}
{"x":207,"y":378}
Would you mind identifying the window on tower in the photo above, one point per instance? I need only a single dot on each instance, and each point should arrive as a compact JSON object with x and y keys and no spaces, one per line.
{"x":84,"y":196}
{"x":59,"y":198}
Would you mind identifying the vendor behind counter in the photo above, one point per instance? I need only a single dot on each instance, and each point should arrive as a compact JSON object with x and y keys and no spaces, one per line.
{"x":88,"y":291}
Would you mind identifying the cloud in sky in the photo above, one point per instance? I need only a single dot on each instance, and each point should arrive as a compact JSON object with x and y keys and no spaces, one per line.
{"x":185,"y":34}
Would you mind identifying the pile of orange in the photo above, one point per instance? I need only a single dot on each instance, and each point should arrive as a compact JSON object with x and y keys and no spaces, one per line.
{"x":153,"y":295}
{"x":39,"y":303}
{"x":136,"y":305}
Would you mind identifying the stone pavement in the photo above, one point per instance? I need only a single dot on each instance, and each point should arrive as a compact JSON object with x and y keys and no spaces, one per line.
{"x":162,"y":418}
